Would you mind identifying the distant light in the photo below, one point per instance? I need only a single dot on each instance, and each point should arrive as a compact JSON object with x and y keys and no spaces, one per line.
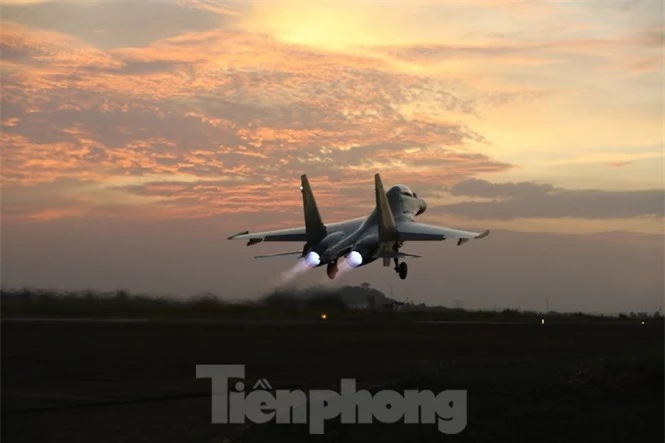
{"x":542,"y":321}
{"x":642,"y":321}
{"x":323,"y":316}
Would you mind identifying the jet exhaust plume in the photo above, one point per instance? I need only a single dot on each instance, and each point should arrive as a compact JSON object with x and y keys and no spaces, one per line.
{"x":343,"y":267}
{"x":299,"y":268}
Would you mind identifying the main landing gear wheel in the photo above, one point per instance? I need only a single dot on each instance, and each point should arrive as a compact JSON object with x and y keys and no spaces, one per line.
{"x":403,"y":270}
{"x":332,"y":270}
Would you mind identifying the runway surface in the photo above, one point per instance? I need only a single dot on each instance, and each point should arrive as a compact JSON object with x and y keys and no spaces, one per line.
{"x":239,"y":321}
{"x":133,"y":381}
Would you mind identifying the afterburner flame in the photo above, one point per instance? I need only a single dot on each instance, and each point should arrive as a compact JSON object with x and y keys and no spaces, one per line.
{"x":343,"y":268}
{"x":312,"y":259}
{"x":299,"y":268}
{"x":354,"y":259}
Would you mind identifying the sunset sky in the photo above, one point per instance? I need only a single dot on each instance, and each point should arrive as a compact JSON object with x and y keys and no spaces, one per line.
{"x":137,"y":135}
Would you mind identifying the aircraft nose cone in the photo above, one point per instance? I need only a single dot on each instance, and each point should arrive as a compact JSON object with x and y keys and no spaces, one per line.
{"x":423,"y":206}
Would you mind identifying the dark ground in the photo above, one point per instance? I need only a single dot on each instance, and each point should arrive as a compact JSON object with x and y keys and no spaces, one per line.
{"x":135,"y":381}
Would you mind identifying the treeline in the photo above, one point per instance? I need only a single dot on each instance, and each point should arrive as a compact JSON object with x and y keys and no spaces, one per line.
{"x":345,"y":303}
{"x":78,"y":304}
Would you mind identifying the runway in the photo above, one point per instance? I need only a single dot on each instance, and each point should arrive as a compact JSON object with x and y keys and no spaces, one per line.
{"x":312,"y":321}
{"x":245,"y":321}
{"x":81,"y":380}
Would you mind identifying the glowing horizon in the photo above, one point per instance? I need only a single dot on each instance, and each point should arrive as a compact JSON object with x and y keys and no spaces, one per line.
{"x":524,"y":116}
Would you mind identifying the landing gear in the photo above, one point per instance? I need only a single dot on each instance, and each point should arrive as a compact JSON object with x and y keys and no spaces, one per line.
{"x":332,"y":270}
{"x":401,"y":268}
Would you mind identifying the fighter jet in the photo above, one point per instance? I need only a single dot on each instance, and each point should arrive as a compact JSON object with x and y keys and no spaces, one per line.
{"x":360,"y":241}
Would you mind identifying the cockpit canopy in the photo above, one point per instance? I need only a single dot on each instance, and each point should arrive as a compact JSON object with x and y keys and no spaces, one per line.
{"x":404,"y":190}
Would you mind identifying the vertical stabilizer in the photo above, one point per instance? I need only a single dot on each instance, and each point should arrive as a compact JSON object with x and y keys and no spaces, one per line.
{"x":314,"y":226}
{"x":387,"y":229}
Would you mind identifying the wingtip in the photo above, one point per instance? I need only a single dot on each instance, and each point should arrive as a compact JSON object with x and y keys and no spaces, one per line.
{"x":483,"y":234}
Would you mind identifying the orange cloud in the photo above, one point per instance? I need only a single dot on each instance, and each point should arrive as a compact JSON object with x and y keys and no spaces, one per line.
{"x":36,"y":48}
{"x":188,"y":110}
{"x":162,"y":122}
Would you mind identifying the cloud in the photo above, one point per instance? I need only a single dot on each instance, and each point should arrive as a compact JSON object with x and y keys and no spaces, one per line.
{"x":533,"y":200}
{"x":619,"y":164}
{"x":532,"y":52}
{"x":31,"y":47}
{"x":168,"y":120}
{"x":348,"y":192}
{"x":168,"y":115}
{"x":119,"y":23}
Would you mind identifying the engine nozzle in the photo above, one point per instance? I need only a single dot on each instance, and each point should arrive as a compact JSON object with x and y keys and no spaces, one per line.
{"x":354,"y":259}
{"x":312,"y":259}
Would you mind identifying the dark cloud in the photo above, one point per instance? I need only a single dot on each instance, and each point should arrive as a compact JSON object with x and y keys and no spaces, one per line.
{"x":533,"y":200}
{"x":483,"y":188}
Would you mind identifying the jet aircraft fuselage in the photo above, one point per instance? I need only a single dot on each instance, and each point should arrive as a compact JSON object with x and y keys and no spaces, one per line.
{"x":362,"y":240}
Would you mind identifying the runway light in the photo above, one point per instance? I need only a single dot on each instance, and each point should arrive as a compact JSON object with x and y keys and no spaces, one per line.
{"x":323,"y":316}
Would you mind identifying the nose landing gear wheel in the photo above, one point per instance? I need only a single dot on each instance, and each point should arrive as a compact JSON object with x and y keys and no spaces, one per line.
{"x":403,"y":269}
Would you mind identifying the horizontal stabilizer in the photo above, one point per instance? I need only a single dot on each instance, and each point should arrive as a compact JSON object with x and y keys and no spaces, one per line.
{"x":281,"y":254}
{"x":291,"y":234}
{"x":239,"y":234}
{"x":392,"y":254}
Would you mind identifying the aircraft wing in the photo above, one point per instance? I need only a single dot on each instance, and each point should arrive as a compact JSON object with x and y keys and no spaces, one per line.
{"x":294,"y":234}
{"x":423,"y":232}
